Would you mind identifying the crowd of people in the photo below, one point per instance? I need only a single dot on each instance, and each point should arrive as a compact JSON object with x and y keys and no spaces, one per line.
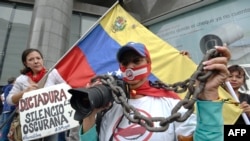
{"x":135,"y":63}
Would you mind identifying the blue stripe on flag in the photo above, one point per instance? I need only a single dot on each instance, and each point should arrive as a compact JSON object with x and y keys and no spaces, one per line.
{"x":100,"y":50}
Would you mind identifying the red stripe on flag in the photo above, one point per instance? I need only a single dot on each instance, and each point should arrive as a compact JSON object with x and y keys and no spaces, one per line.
{"x":75,"y":69}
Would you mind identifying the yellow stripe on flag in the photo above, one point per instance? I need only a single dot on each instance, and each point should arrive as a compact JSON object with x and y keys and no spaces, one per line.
{"x":167,"y":63}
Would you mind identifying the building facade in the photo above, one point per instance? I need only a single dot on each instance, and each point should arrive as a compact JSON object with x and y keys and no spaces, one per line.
{"x":54,"y":26}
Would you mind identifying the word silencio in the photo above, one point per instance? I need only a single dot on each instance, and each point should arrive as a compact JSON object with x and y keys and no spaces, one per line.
{"x":239,"y":131}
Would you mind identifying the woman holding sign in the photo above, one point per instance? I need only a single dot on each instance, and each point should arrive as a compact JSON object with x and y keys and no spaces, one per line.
{"x":31,"y":74}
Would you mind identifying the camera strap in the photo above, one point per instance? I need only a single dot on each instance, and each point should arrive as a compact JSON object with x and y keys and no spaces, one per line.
{"x":98,"y":120}
{"x":112,"y":135}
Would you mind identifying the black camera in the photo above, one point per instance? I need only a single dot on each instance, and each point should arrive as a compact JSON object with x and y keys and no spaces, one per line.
{"x":84,"y":100}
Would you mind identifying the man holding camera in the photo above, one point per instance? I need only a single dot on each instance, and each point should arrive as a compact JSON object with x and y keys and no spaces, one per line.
{"x":148,"y":101}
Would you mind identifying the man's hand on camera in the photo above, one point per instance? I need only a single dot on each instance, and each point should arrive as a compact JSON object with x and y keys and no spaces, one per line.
{"x":89,"y":121}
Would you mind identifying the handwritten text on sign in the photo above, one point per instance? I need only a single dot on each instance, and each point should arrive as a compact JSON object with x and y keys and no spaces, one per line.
{"x":46,"y":111}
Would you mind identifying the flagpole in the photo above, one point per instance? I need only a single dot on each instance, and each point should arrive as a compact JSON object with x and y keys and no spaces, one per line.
{"x":43,"y":80}
{"x":244,"y":116}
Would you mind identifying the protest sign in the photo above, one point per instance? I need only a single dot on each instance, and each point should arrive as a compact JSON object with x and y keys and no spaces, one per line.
{"x":46,"y":111}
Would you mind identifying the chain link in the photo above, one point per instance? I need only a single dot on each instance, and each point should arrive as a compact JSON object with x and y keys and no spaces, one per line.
{"x":194,"y":86}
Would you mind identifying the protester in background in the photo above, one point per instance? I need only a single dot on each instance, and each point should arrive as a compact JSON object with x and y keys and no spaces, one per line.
{"x":31,"y":74}
{"x":1,"y":106}
{"x":7,"y":110}
{"x":237,"y":79}
{"x":2,"y":101}
{"x":153,"y":102}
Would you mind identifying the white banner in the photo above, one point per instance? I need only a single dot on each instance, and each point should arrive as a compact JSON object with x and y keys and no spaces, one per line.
{"x":46,"y":111}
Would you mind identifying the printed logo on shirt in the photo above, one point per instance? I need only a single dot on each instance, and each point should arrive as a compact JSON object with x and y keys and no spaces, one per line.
{"x":126,"y":130}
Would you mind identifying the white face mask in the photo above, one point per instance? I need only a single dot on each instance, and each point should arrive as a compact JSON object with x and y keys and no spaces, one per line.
{"x":138,"y":73}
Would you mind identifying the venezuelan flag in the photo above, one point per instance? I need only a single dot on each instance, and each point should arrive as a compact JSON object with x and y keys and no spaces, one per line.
{"x":95,"y":54}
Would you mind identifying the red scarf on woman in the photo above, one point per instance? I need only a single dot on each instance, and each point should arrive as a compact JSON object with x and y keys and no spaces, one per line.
{"x":38,"y":77}
{"x":146,"y":89}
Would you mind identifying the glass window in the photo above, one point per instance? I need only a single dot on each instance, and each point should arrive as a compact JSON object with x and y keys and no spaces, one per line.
{"x":87,"y":23}
{"x":15,"y":22}
{"x":80,"y":24}
{"x":75,"y":29}
{"x":5,"y":14}
{"x":14,"y":36}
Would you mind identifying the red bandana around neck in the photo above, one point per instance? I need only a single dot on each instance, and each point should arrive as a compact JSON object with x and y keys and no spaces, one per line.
{"x":38,"y":77}
{"x":146,"y":89}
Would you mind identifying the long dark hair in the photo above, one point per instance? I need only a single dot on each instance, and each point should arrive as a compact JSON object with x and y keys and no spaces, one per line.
{"x":25,"y":53}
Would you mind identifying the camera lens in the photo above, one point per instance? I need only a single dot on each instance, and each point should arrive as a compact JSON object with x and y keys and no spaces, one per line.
{"x":84,"y":100}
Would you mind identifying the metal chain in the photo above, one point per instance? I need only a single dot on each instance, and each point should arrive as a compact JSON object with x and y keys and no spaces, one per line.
{"x":194,"y":86}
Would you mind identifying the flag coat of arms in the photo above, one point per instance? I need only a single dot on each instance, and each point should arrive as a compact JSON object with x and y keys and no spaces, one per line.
{"x":95,"y":54}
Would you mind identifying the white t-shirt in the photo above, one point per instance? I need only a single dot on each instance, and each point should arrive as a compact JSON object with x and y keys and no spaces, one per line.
{"x":114,"y":123}
{"x":22,"y":82}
